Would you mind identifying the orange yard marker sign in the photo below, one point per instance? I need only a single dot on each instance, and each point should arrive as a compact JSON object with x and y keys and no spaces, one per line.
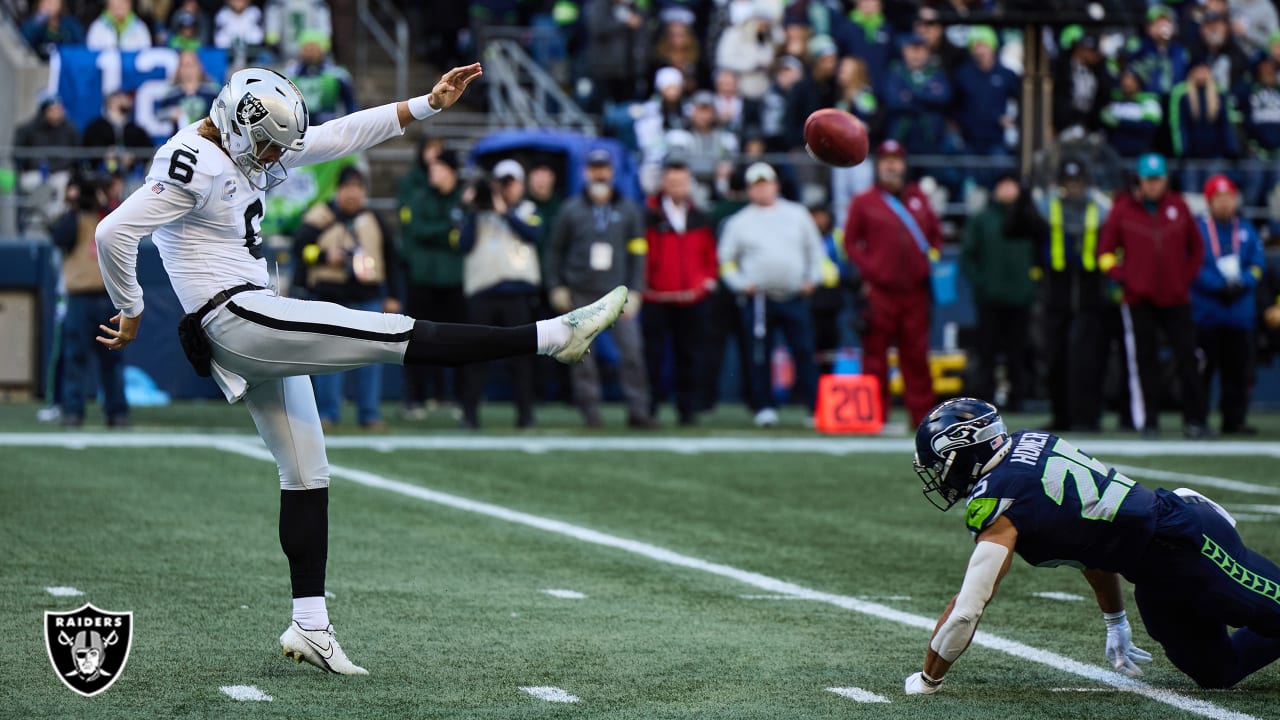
{"x":848,"y":404}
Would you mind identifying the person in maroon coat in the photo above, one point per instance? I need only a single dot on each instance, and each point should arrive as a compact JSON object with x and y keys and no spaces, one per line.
{"x":892,"y":236}
{"x":681,"y":271}
{"x":1151,"y":246}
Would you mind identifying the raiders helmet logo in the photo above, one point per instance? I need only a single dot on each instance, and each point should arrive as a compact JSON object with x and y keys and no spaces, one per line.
{"x":250,"y":110}
{"x":88,"y":647}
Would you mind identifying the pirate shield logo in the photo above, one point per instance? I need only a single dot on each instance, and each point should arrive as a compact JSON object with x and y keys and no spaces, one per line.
{"x":88,"y":647}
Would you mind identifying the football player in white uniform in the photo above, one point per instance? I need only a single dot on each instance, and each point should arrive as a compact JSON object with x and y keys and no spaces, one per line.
{"x":202,"y":204}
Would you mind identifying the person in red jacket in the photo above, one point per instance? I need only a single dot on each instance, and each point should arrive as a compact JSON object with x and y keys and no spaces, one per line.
{"x":892,"y":236}
{"x":681,"y":271}
{"x":1151,"y":246}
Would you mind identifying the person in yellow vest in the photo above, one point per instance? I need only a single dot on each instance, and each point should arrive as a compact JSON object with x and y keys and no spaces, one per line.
{"x":87,"y":304}
{"x":1076,"y":301}
{"x":344,"y":255}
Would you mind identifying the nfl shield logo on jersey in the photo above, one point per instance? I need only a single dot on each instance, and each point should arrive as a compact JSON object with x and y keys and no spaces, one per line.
{"x":88,"y":647}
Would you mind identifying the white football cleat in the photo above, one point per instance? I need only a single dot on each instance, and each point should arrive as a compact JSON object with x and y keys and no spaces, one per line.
{"x":318,"y":647}
{"x":766,"y":418}
{"x":588,"y":321}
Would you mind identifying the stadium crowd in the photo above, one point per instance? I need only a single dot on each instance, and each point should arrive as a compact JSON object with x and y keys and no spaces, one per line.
{"x":721,"y":254}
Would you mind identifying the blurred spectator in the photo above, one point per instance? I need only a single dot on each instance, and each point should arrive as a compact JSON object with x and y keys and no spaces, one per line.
{"x":1222,"y":301}
{"x":830,"y":297}
{"x":429,"y":196}
{"x":1253,"y":22}
{"x":191,"y":95}
{"x":117,"y":134}
{"x":869,"y":38}
{"x":748,"y":45}
{"x":544,"y":193}
{"x":43,"y":153}
{"x":616,"y":48}
{"x":854,"y":94}
{"x":1158,"y":59}
{"x":817,"y":89}
{"x":796,"y":33}
{"x":192,"y":8}
{"x":771,"y":255}
{"x":186,"y":32}
{"x":598,"y":243}
{"x":987,"y":98}
{"x":893,"y":237}
{"x":916,"y":96}
{"x":1076,"y":300}
{"x":287,"y":20}
{"x":118,"y":28}
{"x":87,"y":306}
{"x":656,"y":118}
{"x":733,"y":112}
{"x":998,"y":257}
{"x":325,"y":84}
{"x":680,"y":274}
{"x":1132,"y":117}
{"x":49,"y":26}
{"x":238,"y":26}
{"x":678,"y":48}
{"x":343,"y":254}
{"x":1199,"y":118}
{"x":928,"y":25}
{"x":1151,"y":246}
{"x":1260,"y":105}
{"x":500,"y":277}
{"x":725,"y":315}
{"x":1081,"y":86}
{"x":773,"y":105}
{"x":709,"y":150}
{"x":1216,"y":48}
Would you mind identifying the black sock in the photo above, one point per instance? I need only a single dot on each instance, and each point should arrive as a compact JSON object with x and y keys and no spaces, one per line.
{"x":451,"y":344}
{"x":304,"y":537}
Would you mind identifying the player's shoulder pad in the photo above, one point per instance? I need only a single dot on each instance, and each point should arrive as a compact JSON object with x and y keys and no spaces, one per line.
{"x":188,"y":162}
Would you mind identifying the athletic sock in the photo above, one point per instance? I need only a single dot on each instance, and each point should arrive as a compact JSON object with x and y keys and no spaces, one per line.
{"x":304,"y":537}
{"x":553,"y":335}
{"x":311,"y":613}
{"x":449,"y":344}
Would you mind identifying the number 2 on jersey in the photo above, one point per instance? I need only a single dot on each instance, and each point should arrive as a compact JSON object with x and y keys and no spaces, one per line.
{"x":1084,"y":470}
{"x":252,"y":240}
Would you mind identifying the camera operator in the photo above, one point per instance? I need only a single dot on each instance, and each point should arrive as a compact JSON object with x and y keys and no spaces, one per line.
{"x":501,"y":276}
{"x":87,"y":304}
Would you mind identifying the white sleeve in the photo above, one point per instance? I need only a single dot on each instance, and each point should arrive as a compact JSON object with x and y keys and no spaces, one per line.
{"x":979,"y":585}
{"x":346,"y":135}
{"x":119,"y":233}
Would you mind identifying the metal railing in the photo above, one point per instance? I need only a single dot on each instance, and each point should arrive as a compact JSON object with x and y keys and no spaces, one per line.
{"x":522,"y":94}
{"x":397,"y":50}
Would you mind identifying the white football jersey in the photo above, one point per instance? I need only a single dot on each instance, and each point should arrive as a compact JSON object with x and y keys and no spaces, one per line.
{"x":203,"y":215}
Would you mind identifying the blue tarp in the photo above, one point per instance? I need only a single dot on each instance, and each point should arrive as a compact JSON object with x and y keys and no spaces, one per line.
{"x":532,"y":146}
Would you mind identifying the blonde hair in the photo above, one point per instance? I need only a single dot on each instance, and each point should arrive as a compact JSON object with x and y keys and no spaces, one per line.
{"x":210,"y":132}
{"x":1212,"y":100}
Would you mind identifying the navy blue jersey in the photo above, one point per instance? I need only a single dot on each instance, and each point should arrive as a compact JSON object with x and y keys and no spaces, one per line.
{"x":1068,"y":508}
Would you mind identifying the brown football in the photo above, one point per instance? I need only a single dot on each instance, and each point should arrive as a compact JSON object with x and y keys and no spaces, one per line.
{"x":836,"y":138}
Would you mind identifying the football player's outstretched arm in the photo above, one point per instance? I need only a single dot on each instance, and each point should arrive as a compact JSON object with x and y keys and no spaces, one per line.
{"x":367,"y":128}
{"x":1120,"y":650}
{"x":955,"y":629}
{"x":117,"y":239}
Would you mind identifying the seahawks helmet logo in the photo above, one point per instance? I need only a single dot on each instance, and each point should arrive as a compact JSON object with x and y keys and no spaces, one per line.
{"x":250,"y":110}
{"x":962,"y":435}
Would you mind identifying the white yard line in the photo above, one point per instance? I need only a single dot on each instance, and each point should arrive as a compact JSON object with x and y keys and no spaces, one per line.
{"x":1200,"y":480}
{"x":882,"y":598}
{"x":1064,"y":597}
{"x":858,"y":694}
{"x":550,"y":694}
{"x":251,"y":446}
{"x":565,"y":594}
{"x":245,"y":693}
{"x":676,"y":444}
{"x":63,"y":591}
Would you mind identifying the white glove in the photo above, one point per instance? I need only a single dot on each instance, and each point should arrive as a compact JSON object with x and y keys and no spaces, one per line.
{"x":1121,"y":651}
{"x":921,"y":684}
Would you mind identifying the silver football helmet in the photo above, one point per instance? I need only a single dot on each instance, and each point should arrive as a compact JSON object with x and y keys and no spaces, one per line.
{"x":257,"y":109}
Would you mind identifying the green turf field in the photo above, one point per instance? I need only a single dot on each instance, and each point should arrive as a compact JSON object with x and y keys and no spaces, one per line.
{"x":727,"y":573}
